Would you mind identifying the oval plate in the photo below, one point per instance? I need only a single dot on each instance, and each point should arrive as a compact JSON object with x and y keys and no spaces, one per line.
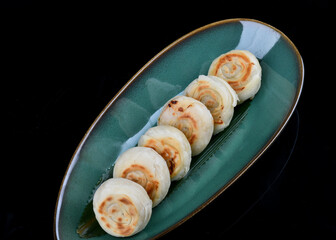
{"x":136,"y":106}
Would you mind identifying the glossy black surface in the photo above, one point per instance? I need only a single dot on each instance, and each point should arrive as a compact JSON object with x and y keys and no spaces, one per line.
{"x":61,"y":66}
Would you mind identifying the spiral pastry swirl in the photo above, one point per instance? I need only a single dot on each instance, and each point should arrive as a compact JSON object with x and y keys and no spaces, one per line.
{"x":217,"y":96}
{"x":241,"y":69}
{"x":146,"y":167}
{"x":192,"y":118}
{"x":172,"y":145}
{"x":122,"y":207}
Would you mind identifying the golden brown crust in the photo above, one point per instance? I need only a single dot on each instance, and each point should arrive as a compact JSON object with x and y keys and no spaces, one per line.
{"x":192,"y":118}
{"x":168,"y":152}
{"x":244,"y":62}
{"x":183,"y":116}
{"x":141,"y":175}
{"x":119,"y":214}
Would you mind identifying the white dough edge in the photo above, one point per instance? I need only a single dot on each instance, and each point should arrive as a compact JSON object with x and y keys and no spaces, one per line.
{"x":254,"y":82}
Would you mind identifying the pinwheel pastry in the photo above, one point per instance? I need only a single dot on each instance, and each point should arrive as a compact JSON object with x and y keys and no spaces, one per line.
{"x":122,"y":207}
{"x":241,"y":69}
{"x":146,"y":167}
{"x":191,"y":117}
{"x":172,"y":145}
{"x":217,"y":96}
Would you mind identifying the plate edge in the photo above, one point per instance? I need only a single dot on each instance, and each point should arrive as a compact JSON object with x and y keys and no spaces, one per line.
{"x":73,"y":159}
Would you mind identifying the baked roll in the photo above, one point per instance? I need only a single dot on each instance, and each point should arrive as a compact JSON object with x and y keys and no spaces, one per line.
{"x":192,"y":118}
{"x":122,"y":207}
{"x":241,"y":69}
{"x":172,"y":145}
{"x":217,"y":95}
{"x":146,"y":167}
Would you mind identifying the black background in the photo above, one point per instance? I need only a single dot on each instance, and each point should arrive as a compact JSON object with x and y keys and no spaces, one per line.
{"x":62,"y":63}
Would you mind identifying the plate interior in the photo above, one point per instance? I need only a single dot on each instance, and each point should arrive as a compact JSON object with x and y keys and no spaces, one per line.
{"x":136,"y":109}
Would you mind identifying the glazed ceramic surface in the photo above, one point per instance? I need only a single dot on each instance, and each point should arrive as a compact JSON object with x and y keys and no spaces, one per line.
{"x":137,"y":105}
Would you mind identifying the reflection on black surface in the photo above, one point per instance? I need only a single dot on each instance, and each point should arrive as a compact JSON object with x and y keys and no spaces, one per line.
{"x":250,"y":199}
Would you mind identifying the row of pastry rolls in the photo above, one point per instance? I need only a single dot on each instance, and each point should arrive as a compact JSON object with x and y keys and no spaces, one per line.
{"x":163,"y":154}
{"x":205,"y":109}
{"x":207,"y":106}
{"x":142,"y":175}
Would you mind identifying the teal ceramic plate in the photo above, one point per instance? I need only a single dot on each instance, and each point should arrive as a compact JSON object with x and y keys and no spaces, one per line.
{"x":136,"y":107}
